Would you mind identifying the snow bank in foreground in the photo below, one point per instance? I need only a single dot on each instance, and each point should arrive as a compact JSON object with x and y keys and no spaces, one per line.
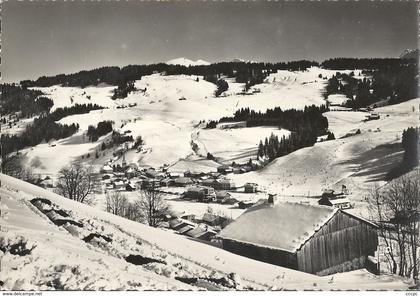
{"x":58,"y":258}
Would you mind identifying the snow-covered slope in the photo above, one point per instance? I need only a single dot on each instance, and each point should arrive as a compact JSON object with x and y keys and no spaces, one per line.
{"x":187,"y":62}
{"x":69,"y":96}
{"x":359,"y":161}
{"x":224,"y":143}
{"x":168,"y":110}
{"x":90,"y":251}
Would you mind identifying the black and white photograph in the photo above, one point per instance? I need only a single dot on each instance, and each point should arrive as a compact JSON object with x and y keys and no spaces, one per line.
{"x":209,"y":146}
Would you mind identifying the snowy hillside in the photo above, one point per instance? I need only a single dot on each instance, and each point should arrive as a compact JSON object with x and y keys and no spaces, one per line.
{"x":48,"y":242}
{"x":358,"y":161}
{"x":186,"y":62}
{"x":166,"y":110}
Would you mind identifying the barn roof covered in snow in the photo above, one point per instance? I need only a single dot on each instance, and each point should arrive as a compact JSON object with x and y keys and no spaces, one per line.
{"x":283,"y":225}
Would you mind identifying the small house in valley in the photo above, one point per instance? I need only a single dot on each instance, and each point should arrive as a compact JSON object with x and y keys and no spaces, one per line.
{"x":222,"y":196}
{"x":245,"y":204}
{"x":219,"y":184}
{"x":119,"y":185}
{"x":228,"y":125}
{"x":167,"y":182}
{"x":201,"y":233}
{"x":106,"y":169}
{"x":225,"y":169}
{"x":314,"y":239}
{"x":183,"y":181}
{"x":200,"y":193}
{"x":339,"y":203}
{"x":251,"y":187}
{"x":177,"y":224}
{"x":373,"y":116}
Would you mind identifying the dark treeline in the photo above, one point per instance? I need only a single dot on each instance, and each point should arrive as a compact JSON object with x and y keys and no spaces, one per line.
{"x":60,"y":113}
{"x":306,"y":125}
{"x":15,"y":98}
{"x":410,"y":144}
{"x":45,"y":128}
{"x":120,"y":76}
{"x":309,"y":118}
{"x":102,"y":128}
{"x":118,"y":138}
{"x":274,"y":147}
{"x":365,"y":63}
{"x":42,"y":129}
{"x":394,"y":80}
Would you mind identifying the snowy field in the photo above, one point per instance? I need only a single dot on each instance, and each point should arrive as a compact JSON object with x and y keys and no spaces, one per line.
{"x":56,"y":257}
{"x":168,"y":109}
{"x":337,"y":99}
{"x":70,"y":96}
{"x":237,"y":144}
{"x":18,"y":127}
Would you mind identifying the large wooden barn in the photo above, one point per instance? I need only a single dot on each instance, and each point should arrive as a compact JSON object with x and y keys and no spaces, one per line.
{"x":314,"y":239}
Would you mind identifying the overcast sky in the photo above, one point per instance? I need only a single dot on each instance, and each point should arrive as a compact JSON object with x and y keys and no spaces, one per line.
{"x":46,"y":38}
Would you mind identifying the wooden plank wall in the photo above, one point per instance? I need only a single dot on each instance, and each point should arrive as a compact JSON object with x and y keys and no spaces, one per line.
{"x":277,"y":257}
{"x":342,"y":239}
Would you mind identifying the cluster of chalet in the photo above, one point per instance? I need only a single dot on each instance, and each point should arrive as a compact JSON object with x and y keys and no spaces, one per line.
{"x":119,"y":179}
{"x":237,"y":168}
{"x":212,"y":186}
{"x":203,"y":228}
{"x":315,"y":239}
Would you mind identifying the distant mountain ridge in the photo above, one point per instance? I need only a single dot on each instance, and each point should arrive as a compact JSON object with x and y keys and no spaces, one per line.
{"x":187,"y":62}
{"x":238,"y":60}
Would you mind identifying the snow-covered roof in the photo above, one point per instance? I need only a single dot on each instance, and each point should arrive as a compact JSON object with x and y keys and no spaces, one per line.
{"x":196,"y":232}
{"x":284,"y":225}
{"x":185,"y":229}
{"x":196,"y":189}
{"x":339,"y":201}
{"x":107,"y":168}
{"x":183,"y":180}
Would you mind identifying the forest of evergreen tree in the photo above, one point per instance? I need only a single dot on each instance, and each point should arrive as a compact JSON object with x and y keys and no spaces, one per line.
{"x":410,"y":143}
{"x":393,"y":80}
{"x":305,"y":126}
{"x":45,"y":128}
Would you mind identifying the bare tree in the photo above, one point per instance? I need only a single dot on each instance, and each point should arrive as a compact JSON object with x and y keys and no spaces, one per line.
{"x":116,"y":203}
{"x":152,"y":205}
{"x":75,"y":182}
{"x":12,"y":165}
{"x":396,"y":209}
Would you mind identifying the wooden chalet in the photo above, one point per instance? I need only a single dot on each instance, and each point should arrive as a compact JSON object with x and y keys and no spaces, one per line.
{"x":183,"y":181}
{"x":314,"y":239}
{"x":250,"y":187}
{"x":339,"y":203}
